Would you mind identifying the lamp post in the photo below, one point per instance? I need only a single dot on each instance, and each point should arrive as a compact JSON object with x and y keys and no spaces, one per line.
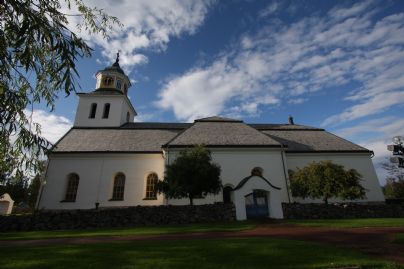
{"x":398,"y":151}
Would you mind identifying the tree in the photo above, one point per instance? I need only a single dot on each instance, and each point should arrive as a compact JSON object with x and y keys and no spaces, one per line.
{"x":23,"y":189}
{"x":394,"y":187}
{"x":37,"y":62}
{"x":326,"y":180}
{"x":191,"y":175}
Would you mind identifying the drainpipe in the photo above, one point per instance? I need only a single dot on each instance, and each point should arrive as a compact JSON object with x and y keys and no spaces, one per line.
{"x":97,"y":202}
{"x":285,"y":172}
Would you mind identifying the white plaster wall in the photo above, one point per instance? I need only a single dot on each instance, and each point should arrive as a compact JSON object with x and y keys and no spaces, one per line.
{"x":96,"y":172}
{"x":359,"y":161}
{"x":117,"y":112}
{"x":125,"y":110}
{"x":257,"y":183}
{"x":236,"y":164}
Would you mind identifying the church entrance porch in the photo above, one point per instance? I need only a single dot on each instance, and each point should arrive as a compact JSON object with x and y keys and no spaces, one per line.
{"x":256,"y":204}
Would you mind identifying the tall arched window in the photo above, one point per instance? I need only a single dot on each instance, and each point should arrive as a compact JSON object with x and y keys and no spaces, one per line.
{"x":72,"y":186}
{"x":151,"y":181}
{"x":93,"y":110}
{"x":127,"y":116}
{"x":119,"y":187}
{"x":105,"y":113}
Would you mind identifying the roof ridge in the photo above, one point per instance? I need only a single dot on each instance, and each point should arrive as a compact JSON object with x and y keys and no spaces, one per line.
{"x":217,"y":119}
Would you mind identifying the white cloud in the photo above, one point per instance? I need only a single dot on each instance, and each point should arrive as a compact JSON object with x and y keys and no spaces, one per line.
{"x":316,"y":53}
{"x":53,"y":127}
{"x":270,"y":9}
{"x":297,"y":101}
{"x":148,"y":24}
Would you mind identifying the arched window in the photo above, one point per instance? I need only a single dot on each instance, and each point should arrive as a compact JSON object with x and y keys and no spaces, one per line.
{"x":105,"y":114}
{"x":227,"y":194}
{"x":93,"y":110}
{"x":127,"y":116}
{"x":108,"y":81}
{"x":72,"y":186}
{"x":151,"y":182}
{"x":118,"y":84}
{"x":125,"y":88}
{"x":257,"y":171}
{"x":119,"y":187}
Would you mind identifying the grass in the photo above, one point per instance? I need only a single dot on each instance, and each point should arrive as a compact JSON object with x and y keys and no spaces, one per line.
{"x":350,"y":223}
{"x":209,"y":253}
{"x":399,"y":238}
{"x":134,"y":231}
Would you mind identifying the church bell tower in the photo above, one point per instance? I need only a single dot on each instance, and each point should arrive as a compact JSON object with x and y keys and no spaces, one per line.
{"x":108,"y":105}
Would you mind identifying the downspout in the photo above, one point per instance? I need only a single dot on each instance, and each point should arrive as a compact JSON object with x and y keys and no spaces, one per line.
{"x":43,"y":182}
{"x":285,"y":173}
{"x":97,"y":203}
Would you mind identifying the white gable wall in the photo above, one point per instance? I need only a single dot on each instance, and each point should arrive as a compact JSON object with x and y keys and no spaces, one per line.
{"x":236,"y":164}
{"x":359,"y":161}
{"x":96,"y":172}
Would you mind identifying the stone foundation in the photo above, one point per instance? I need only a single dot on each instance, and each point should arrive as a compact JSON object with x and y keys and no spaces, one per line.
{"x":342,"y":211}
{"x":118,"y":217}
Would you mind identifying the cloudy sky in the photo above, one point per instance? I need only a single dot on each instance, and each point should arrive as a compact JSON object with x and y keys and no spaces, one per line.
{"x":332,"y":64}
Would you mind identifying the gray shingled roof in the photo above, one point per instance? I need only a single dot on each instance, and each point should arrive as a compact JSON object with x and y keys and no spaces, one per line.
{"x":103,"y":91}
{"x":266,"y":126}
{"x":312,"y":140}
{"x":156,"y":125}
{"x":212,"y":131}
{"x":216,"y":132}
{"x":114,"y":140}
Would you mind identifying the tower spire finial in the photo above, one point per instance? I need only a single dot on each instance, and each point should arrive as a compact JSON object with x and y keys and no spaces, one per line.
{"x":117,"y":57}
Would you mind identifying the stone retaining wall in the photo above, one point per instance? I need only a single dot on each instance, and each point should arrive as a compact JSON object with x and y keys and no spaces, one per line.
{"x":342,"y":211}
{"x":118,"y":217}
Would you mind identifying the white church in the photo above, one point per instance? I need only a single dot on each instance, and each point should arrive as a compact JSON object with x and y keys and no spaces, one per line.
{"x":108,"y":160}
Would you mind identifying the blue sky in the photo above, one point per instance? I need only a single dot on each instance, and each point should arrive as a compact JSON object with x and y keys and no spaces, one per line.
{"x":332,"y":64}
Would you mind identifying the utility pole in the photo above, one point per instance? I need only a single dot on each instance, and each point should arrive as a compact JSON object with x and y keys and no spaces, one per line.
{"x":398,"y":151}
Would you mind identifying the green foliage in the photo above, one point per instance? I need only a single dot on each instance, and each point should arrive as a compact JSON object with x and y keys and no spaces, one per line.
{"x":191,"y":175}
{"x":22,"y":189}
{"x":394,"y":187}
{"x":37,"y":62}
{"x":326,"y":180}
{"x":17,"y":188}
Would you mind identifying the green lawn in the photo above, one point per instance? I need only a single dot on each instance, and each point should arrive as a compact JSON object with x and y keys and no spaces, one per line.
{"x":350,"y":223}
{"x":141,"y":231}
{"x":399,"y":239}
{"x":209,"y":253}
